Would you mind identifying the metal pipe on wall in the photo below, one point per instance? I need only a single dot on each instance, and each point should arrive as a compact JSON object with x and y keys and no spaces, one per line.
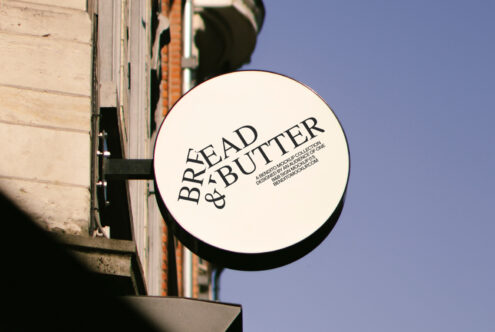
{"x":187,"y":35}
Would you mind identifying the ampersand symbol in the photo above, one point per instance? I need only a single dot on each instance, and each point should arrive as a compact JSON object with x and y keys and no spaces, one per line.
{"x":218,"y":200}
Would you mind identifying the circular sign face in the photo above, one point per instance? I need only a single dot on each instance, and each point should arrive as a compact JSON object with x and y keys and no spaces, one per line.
{"x":251,"y":170}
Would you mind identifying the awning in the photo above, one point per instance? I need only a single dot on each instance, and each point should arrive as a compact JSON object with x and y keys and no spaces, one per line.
{"x":184,"y":314}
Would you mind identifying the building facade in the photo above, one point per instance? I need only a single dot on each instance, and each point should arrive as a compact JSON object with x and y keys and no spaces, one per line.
{"x":83,"y":83}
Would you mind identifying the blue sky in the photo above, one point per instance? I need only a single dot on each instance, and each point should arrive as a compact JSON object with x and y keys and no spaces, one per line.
{"x":413,"y":84}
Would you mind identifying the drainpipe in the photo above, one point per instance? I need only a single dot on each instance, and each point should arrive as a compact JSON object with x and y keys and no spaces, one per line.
{"x":187,"y":35}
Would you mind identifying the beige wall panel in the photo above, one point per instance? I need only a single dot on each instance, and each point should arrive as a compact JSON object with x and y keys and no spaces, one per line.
{"x":51,"y":22}
{"x":54,"y":207}
{"x":44,"y":109}
{"x":41,"y":63}
{"x":45,"y":154}
{"x":73,"y":4}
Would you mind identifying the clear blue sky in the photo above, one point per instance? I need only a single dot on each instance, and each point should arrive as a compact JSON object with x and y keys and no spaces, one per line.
{"x":413,"y":84}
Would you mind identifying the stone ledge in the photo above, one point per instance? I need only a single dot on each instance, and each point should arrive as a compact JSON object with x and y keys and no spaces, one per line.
{"x":115,"y":261}
{"x":111,"y":245}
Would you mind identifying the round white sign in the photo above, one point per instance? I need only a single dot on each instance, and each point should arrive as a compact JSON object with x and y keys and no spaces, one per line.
{"x":251,"y":170}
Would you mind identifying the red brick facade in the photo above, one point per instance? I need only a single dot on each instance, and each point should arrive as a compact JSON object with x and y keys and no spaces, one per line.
{"x":171,"y":91}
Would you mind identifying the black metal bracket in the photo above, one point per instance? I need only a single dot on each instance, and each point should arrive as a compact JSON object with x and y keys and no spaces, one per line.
{"x":119,"y":169}
{"x":127,"y":169}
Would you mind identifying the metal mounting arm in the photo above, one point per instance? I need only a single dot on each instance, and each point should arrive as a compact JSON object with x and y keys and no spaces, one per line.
{"x":127,"y":169}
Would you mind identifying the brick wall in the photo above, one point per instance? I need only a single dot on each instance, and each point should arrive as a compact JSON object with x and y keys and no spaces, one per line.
{"x":171,"y":90}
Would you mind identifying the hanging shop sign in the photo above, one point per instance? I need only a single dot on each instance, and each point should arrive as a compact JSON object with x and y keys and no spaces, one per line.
{"x":251,"y":170}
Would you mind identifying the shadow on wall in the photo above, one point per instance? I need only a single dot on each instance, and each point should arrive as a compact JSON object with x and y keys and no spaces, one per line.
{"x":45,"y":288}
